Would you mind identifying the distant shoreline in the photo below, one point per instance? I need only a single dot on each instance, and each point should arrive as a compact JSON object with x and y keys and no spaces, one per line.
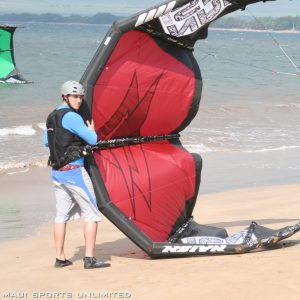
{"x":254,"y":30}
{"x":289,"y":31}
{"x":261,"y":24}
{"x":20,"y":24}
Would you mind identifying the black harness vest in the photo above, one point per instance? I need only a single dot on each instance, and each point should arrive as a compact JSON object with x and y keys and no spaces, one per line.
{"x":64,"y":145}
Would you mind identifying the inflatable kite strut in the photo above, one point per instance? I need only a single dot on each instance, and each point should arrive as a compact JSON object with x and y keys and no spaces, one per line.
{"x":8,"y":70}
{"x":144,"y":81}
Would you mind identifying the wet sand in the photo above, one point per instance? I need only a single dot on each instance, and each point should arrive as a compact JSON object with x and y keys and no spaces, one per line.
{"x":27,"y":263}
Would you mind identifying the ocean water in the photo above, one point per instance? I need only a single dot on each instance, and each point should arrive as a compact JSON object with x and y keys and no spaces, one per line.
{"x":247,"y":128}
{"x":247,"y":105}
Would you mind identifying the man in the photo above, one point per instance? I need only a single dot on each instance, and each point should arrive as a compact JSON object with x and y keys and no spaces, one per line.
{"x":66,"y":133}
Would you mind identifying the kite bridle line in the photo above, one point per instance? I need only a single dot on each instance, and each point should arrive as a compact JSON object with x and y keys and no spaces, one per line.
{"x":129,"y":141}
{"x":252,"y":65}
{"x":75,"y":152}
{"x":278,"y":45}
{"x":244,"y":64}
{"x":216,"y":56}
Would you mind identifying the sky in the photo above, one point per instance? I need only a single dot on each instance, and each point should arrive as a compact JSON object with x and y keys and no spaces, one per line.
{"x":128,"y":7}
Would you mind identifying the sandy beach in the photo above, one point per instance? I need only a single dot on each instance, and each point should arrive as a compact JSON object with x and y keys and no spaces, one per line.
{"x":27,"y":264}
{"x":246,"y":131}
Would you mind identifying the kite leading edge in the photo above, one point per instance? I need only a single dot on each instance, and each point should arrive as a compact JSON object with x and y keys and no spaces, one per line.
{"x":8,"y":70}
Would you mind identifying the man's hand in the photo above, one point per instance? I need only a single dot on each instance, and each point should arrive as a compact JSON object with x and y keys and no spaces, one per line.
{"x":90,"y":125}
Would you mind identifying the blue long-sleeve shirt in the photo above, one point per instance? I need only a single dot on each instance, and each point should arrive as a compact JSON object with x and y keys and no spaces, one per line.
{"x":73,"y":122}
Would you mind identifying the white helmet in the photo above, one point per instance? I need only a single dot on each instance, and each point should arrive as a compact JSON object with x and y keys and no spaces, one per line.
{"x":72,"y":88}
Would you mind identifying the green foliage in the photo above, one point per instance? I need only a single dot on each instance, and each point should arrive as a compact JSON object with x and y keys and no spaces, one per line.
{"x":100,"y":18}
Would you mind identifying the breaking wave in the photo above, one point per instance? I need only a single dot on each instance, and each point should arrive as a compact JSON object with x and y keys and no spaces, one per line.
{"x":41,"y":126}
{"x":22,"y":130}
{"x":198,"y":148}
{"x":7,"y":166}
{"x":25,"y":130}
{"x":282,"y":148}
{"x":288,"y":106}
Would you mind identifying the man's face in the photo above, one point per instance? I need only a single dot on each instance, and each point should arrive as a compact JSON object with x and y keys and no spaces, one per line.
{"x":75,"y":101}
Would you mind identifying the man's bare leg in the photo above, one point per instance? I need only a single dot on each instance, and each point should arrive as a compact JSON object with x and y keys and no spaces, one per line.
{"x":90,"y":235}
{"x":59,"y":239}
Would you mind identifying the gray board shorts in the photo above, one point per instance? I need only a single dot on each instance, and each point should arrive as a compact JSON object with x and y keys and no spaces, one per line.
{"x":75,"y":196}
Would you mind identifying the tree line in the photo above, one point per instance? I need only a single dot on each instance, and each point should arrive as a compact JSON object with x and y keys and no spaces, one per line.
{"x":99,"y":18}
{"x":259,"y":23}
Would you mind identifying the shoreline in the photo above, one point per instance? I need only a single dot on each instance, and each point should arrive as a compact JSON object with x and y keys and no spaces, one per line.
{"x":30,"y":268}
{"x":30,"y":187}
{"x":289,"y":31}
{"x":110,"y":24}
{"x":25,"y":189}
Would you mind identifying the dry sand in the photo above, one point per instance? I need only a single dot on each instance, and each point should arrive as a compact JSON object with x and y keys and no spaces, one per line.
{"x":27,"y":264}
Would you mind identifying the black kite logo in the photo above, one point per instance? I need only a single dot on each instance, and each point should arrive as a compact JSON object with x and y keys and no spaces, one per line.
{"x":132,"y":112}
{"x":127,"y":121}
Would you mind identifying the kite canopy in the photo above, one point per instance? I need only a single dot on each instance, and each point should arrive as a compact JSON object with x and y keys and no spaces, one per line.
{"x":145,"y":81}
{"x":8,"y":69}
